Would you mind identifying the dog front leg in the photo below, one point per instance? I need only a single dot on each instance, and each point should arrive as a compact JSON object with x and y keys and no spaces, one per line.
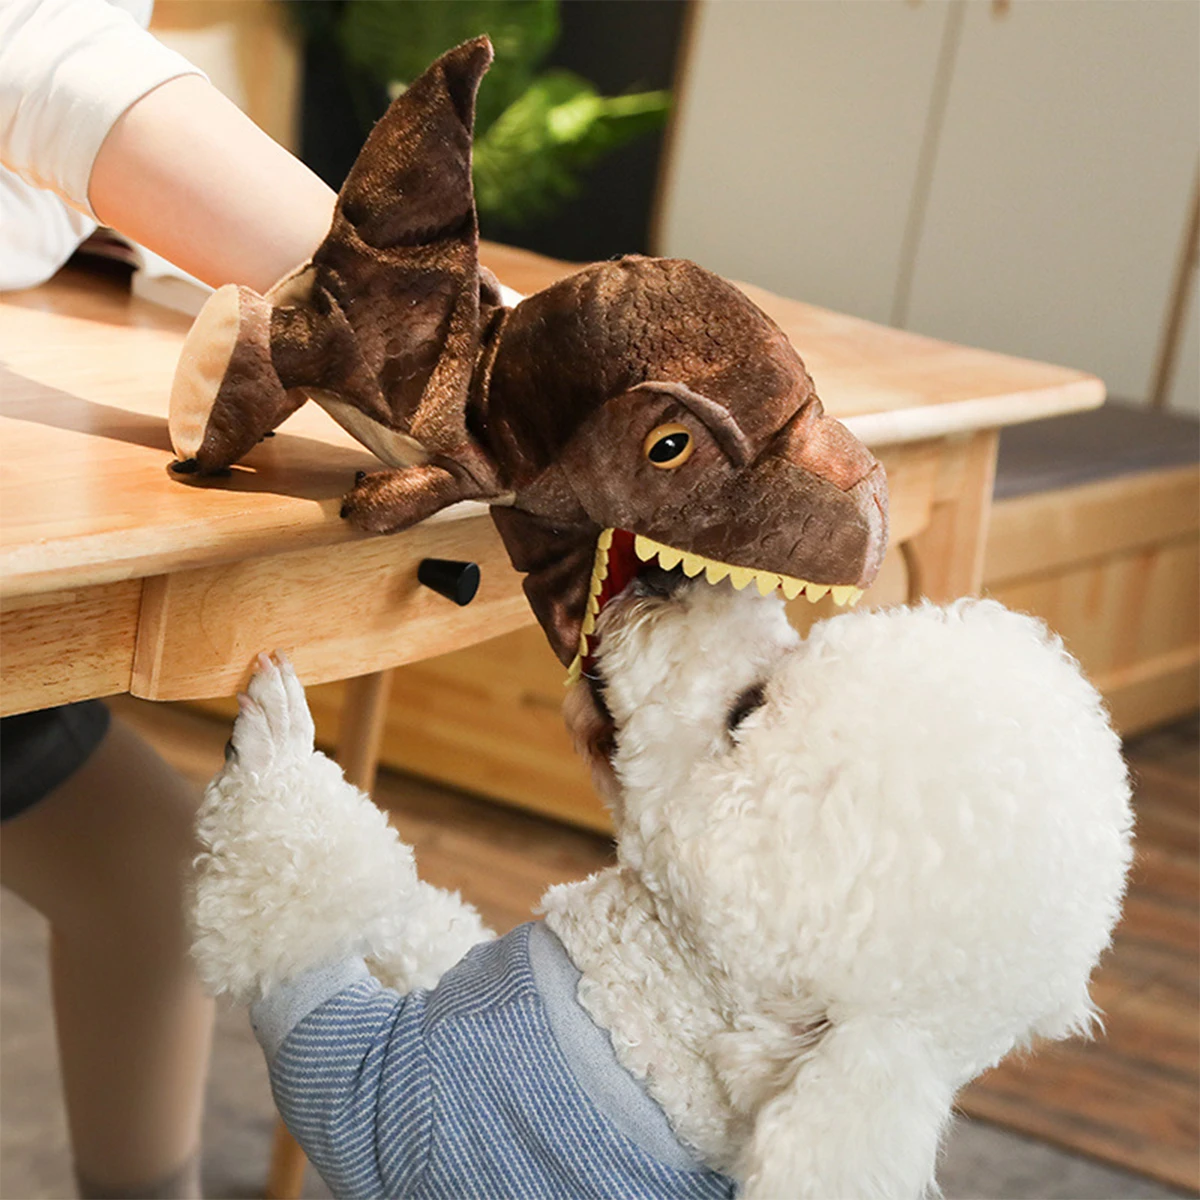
{"x":438,"y":928}
{"x":298,"y":868}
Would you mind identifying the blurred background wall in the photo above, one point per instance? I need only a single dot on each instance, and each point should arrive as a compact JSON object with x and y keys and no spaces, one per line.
{"x":1013,"y":174}
{"x":1016,"y":175}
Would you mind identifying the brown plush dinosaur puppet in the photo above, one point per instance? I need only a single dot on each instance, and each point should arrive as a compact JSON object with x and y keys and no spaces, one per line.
{"x":641,"y":410}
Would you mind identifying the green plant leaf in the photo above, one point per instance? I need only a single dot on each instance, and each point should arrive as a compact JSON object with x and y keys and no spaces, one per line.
{"x":530,"y":158}
{"x":393,"y":41}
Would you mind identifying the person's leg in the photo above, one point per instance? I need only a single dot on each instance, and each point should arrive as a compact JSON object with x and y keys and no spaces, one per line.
{"x":103,"y":857}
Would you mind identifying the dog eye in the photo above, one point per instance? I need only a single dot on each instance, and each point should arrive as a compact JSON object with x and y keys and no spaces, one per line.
{"x":751,"y":699}
{"x":668,"y":446}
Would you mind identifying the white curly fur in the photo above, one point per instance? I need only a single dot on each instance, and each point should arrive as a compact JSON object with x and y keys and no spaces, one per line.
{"x":299,"y":868}
{"x":904,"y":863}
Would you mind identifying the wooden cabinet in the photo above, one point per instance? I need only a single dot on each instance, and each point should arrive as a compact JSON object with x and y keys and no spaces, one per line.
{"x":796,"y":146}
{"x":1062,"y":184}
{"x":1114,"y":567}
{"x":1013,"y":176}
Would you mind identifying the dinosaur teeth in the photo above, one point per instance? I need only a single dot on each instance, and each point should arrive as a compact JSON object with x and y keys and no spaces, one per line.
{"x":592,"y":609}
{"x":669,"y":557}
{"x":766,"y":582}
{"x":649,"y":550}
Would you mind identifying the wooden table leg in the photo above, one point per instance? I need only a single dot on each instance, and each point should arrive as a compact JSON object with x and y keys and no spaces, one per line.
{"x":286,"y":1178}
{"x":945,"y":560}
{"x":359,"y":735}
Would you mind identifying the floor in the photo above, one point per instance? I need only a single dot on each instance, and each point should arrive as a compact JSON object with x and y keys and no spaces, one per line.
{"x":1133,"y":1094}
{"x":503,"y":861}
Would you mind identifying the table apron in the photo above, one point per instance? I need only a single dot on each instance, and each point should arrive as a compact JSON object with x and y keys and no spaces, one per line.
{"x":56,"y":647}
{"x":338,"y":611}
{"x":353,"y":608}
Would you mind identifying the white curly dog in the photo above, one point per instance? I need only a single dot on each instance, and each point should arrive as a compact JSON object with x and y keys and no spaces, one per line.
{"x":853,"y":872}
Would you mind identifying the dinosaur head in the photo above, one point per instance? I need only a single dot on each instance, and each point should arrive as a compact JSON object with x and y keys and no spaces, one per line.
{"x":641,"y":411}
{"x":644,"y":411}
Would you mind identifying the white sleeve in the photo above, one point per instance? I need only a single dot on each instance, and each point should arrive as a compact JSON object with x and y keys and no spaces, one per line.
{"x":68,"y":70}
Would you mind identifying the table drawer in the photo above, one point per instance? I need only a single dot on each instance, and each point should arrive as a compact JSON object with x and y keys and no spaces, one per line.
{"x":56,"y":647}
{"x":338,"y":611}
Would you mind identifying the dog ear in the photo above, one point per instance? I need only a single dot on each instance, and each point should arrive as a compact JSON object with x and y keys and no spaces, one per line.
{"x":593,"y":731}
{"x":384,"y":324}
{"x":862,"y":1117}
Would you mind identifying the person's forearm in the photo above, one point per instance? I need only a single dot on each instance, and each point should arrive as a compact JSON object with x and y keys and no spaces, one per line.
{"x":188,"y":175}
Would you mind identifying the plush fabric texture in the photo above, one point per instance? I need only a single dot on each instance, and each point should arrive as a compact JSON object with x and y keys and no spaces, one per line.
{"x":542,"y":408}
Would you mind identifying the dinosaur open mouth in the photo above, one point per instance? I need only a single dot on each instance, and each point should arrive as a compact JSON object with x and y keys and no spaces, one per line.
{"x":620,"y":555}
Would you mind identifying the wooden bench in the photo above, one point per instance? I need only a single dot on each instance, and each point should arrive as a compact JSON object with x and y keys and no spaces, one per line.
{"x":1096,"y":528}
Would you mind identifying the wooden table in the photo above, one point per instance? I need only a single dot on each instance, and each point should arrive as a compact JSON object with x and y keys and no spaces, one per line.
{"x":115,"y":577}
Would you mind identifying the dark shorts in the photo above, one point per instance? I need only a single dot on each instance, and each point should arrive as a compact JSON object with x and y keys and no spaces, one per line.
{"x":41,"y":750}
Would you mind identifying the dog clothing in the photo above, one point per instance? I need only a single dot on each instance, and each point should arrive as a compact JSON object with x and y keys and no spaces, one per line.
{"x":494,"y":1084}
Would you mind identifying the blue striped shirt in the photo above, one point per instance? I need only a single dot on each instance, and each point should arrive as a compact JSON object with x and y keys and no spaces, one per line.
{"x":494,"y":1084}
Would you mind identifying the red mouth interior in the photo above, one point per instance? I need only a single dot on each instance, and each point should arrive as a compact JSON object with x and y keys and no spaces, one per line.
{"x":622,"y":567}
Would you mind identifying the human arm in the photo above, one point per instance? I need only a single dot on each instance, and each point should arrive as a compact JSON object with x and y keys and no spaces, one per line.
{"x":125,"y":130}
{"x":186,"y":173}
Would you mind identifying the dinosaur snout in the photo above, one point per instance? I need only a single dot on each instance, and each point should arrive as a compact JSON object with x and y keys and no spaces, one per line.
{"x":826,"y":448}
{"x":870,"y":496}
{"x":850,"y":491}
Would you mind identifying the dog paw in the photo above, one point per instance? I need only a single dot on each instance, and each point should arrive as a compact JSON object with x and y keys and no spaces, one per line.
{"x":274,"y":726}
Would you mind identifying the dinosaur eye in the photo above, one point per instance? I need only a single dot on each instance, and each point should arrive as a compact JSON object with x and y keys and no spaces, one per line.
{"x":668,"y":446}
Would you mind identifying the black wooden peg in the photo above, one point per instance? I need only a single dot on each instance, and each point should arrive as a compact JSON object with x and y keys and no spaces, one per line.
{"x":457,"y":581}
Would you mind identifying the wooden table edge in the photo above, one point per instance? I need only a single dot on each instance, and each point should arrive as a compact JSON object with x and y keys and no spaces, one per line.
{"x":87,"y":561}
{"x":927,"y":422}
{"x":84,"y":561}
